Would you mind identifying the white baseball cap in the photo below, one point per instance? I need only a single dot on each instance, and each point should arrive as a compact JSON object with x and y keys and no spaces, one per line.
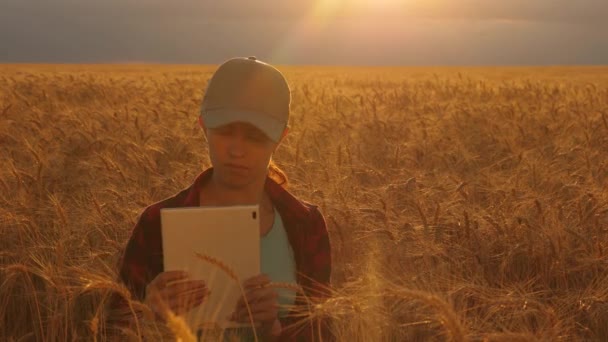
{"x":247,"y":90}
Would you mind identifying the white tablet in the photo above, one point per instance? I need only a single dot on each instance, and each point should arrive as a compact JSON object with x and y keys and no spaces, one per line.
{"x":230,"y":234}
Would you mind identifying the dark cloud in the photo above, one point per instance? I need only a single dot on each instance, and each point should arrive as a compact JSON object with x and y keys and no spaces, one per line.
{"x":189,"y":31}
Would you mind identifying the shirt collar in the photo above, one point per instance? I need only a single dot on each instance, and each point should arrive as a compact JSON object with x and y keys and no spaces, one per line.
{"x":285,"y":202}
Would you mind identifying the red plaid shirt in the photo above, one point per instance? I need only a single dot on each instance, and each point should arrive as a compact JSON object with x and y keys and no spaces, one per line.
{"x":306,"y":230}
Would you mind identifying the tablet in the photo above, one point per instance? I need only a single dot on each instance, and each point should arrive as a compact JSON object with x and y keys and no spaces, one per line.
{"x":230,"y":234}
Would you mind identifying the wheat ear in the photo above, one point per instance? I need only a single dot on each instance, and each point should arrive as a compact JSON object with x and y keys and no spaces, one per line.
{"x":232,"y":274}
{"x":179,"y":328}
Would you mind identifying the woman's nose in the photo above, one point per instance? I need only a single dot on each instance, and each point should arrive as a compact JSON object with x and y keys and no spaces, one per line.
{"x":236,"y":146}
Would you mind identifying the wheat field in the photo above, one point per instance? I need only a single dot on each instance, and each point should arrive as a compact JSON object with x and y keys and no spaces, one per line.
{"x":463,"y":204}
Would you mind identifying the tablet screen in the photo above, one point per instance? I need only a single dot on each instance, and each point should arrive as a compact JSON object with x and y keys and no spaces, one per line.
{"x":230,"y":234}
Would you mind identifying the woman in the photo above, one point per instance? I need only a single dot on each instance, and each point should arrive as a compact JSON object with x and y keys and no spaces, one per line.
{"x":244,"y":115}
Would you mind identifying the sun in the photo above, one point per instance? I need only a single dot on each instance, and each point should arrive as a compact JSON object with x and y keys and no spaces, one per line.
{"x":326,"y":15}
{"x":324,"y":8}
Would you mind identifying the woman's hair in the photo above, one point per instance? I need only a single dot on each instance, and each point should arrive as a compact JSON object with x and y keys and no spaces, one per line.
{"x":277,"y":175}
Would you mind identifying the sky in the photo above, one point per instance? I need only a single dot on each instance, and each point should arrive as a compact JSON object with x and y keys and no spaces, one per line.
{"x":312,"y":32}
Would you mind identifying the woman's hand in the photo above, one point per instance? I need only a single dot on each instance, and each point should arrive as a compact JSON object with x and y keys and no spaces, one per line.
{"x":175,"y":291}
{"x":264,"y":304}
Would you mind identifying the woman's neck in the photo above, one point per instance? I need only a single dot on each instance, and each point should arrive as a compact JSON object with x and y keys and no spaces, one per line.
{"x":214,"y":193}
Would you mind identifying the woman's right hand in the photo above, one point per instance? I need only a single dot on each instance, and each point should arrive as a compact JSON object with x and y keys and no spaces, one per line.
{"x":175,"y":291}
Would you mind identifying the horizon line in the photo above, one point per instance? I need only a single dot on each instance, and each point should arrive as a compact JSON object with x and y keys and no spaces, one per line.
{"x":164,"y":64}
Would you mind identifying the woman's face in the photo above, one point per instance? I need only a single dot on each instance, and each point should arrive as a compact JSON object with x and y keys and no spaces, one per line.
{"x":240,"y":153}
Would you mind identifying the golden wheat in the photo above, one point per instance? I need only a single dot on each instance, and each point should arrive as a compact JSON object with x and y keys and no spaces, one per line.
{"x":461,"y":202}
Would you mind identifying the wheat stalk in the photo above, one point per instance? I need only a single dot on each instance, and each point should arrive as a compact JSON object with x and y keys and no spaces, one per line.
{"x":232,"y":274}
{"x":59,"y":209}
{"x":179,"y":328}
{"x":449,"y":317}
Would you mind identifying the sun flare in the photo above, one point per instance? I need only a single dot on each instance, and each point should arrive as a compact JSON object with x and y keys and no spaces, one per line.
{"x":333,"y":7}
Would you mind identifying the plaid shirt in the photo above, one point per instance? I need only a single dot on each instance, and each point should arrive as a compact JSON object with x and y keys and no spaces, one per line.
{"x":306,"y":230}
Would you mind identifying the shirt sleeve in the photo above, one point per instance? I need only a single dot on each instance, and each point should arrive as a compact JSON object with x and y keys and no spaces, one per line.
{"x":321,"y":266}
{"x":134,"y":269}
{"x":321,"y":262}
{"x":318,"y":260}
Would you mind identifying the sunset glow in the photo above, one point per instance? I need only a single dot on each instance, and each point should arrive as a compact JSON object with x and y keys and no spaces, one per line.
{"x":325,"y":8}
{"x":357,"y":32}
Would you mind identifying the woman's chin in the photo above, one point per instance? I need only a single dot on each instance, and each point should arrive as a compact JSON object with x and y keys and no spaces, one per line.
{"x":236,"y":179}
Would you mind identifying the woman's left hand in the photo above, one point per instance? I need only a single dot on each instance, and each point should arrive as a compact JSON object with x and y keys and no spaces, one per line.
{"x":264,"y":305}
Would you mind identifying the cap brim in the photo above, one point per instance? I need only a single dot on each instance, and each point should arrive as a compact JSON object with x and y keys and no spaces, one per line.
{"x":272,"y":127}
